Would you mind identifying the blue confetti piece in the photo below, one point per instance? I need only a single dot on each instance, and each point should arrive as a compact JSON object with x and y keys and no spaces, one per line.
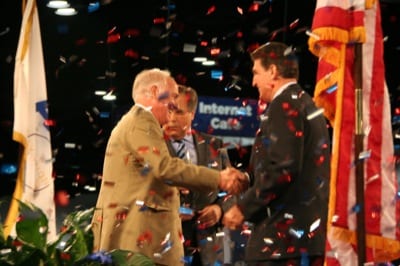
{"x":8,"y":168}
{"x":185,"y":210}
{"x":101,"y":256}
{"x":188,"y":260}
{"x":218,"y":263}
{"x":332,"y":88}
{"x":356,"y":208}
{"x":305,"y":261}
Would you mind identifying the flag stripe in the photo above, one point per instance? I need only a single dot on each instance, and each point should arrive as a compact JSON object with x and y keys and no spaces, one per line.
{"x":329,"y":15}
{"x":373,"y":87}
{"x":381,"y":207}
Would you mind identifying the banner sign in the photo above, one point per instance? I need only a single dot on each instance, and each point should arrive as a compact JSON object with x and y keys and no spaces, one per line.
{"x":226,"y":116}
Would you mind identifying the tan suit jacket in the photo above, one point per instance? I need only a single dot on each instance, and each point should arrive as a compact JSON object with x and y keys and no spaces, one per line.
{"x":138,"y":203}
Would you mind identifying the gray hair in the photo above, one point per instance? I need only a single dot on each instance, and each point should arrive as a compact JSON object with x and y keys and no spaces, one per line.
{"x":147,"y":78}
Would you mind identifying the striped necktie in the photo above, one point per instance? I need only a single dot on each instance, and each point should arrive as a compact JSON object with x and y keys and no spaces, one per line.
{"x":181,"y":149}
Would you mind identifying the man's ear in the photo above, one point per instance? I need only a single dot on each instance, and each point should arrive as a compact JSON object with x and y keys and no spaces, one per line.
{"x":274,"y":71}
{"x":154,"y":91}
{"x":192,"y":114}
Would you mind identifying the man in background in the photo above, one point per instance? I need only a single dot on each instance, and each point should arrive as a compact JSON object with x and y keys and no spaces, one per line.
{"x":200,"y":213}
{"x":138,"y":204}
{"x":288,"y":202}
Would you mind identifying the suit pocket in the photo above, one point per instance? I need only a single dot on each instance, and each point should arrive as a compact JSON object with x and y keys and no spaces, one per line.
{"x":157,"y":207}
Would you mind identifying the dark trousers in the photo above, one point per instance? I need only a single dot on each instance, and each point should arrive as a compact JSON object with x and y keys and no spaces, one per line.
{"x":311,"y":261}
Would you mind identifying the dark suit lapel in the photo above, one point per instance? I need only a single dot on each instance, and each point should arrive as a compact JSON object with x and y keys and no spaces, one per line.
{"x":201,"y":149}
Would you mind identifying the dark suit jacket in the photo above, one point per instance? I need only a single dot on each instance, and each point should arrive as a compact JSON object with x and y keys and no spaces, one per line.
{"x":207,"y":147}
{"x":290,"y":165}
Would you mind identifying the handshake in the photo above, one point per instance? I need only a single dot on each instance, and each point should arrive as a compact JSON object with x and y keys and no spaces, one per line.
{"x":233,"y":181}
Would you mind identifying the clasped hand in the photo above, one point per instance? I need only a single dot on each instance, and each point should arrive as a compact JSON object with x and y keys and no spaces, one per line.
{"x":233,"y":181}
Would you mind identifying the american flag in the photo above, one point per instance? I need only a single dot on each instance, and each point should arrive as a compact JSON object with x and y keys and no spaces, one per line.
{"x":337,"y":26}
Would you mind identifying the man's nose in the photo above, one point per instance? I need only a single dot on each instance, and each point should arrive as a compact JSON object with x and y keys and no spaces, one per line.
{"x":253,"y":83}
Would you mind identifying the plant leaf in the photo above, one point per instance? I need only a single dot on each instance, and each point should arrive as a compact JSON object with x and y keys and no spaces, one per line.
{"x":128,"y":258}
{"x":32,"y":226}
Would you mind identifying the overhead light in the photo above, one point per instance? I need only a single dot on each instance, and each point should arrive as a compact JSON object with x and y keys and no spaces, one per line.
{"x":109,"y":97}
{"x":100,"y":92}
{"x":66,"y":11}
{"x":58,"y":4}
{"x":208,"y":63}
{"x":199,"y":59}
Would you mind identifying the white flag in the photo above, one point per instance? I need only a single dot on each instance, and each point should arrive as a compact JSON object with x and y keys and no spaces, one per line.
{"x":34,"y":182}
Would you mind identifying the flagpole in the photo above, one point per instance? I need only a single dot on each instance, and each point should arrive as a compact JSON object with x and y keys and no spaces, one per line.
{"x":359,"y":161}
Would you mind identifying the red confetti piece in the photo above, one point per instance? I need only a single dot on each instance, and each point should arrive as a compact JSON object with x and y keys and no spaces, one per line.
{"x":121,"y":216}
{"x":113,"y":29}
{"x":320,"y":160}
{"x":204,"y":43}
{"x":168,"y":194}
{"x":143,"y":149}
{"x":49,"y":122}
{"x":215,"y":51}
{"x":211,"y":10}
{"x":293,"y":113}
{"x":145,"y":237}
{"x":187,"y":243}
{"x":99,"y":219}
{"x":131,"y":54}
{"x":294,"y":24}
{"x":159,"y":20}
{"x":254,"y":7}
{"x":109,"y":183}
{"x":17,"y":243}
{"x":132,"y":32}
{"x":252,"y":47}
{"x":261,"y":107}
{"x":113,"y":38}
{"x":285,"y":106}
{"x":61,"y":198}
{"x":285,"y":178}
{"x":273,"y":55}
{"x":216,"y":247}
{"x":65,"y":256}
{"x":265,"y":249}
{"x":156,"y":151}
{"x":126,"y":159}
{"x":81,"y":42}
{"x":210,"y":130}
{"x":299,"y":134}
{"x":290,"y":249}
{"x":112,"y":205}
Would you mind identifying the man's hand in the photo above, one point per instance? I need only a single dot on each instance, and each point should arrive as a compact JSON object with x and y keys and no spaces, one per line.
{"x":210,"y":215}
{"x":233,"y":181}
{"x":233,"y":218}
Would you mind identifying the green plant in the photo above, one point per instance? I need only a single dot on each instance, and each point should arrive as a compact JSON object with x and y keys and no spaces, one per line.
{"x":72,"y":246}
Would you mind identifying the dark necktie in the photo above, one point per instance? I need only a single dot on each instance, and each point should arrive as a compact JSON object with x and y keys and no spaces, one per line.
{"x":181,"y":149}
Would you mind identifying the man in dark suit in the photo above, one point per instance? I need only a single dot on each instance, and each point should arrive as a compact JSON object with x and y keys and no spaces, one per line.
{"x":288,"y":201}
{"x":200,"y":213}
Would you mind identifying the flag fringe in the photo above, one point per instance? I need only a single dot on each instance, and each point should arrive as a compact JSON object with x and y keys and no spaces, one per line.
{"x":385,"y":249}
{"x":13,"y":212}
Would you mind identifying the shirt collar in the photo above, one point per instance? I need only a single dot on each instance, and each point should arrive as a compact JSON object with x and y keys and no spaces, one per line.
{"x":147,"y":108}
{"x":186,"y":138}
{"x":282,"y":88}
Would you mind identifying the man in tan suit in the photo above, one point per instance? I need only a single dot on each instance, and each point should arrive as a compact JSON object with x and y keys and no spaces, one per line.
{"x":138,"y":204}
